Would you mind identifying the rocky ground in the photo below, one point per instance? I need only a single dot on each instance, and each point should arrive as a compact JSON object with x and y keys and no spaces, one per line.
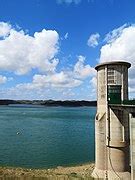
{"x":60,"y":173}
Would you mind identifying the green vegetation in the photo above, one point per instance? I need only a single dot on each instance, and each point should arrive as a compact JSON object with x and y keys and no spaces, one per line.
{"x":67,"y":103}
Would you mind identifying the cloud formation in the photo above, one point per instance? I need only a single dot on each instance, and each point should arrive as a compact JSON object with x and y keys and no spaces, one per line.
{"x":20,"y":52}
{"x":83,"y":71}
{"x":4,"y":29}
{"x":69,"y":1}
{"x":46,"y":85}
{"x":120,"y":45}
{"x":3,"y":79}
{"x":63,"y":79}
{"x":57,"y":80}
{"x":114,"y":34}
{"x":66,"y":36}
{"x":93,"y":40}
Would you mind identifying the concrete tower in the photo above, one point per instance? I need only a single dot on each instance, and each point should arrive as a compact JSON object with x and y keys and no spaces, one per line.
{"x":112,"y":126}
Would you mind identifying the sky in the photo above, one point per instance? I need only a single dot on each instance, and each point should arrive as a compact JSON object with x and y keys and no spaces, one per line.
{"x":49,"y":48}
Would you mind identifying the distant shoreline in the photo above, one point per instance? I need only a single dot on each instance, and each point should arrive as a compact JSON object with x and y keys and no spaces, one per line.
{"x":50,"y":103}
{"x":80,"y":171}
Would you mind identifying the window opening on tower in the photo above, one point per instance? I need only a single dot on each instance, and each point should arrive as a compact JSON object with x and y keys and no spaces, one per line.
{"x":111,"y":76}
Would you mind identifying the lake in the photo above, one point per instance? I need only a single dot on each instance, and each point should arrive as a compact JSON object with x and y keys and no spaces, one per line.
{"x":44,"y":137}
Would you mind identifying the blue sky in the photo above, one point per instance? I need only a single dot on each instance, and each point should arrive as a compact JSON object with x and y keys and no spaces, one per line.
{"x":48,"y":48}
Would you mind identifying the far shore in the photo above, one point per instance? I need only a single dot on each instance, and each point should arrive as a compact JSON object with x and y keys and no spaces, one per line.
{"x":63,"y":173}
{"x":49,"y":103}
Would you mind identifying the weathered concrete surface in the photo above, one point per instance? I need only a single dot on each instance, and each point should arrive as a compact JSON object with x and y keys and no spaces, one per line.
{"x":132,"y":137}
{"x":112,"y":126}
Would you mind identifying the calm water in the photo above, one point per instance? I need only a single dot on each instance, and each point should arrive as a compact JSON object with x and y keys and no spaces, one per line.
{"x":48,"y":137}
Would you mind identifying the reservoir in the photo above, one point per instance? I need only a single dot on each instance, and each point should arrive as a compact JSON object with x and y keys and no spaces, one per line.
{"x":45,"y":137}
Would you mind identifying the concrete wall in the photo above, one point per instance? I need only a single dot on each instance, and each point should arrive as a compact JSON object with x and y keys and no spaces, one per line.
{"x":132,"y":138}
{"x":111,"y":127}
{"x":100,"y":124}
{"x":118,"y":150}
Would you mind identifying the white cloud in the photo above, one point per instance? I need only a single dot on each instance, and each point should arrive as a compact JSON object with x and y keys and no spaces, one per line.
{"x":20,"y":52}
{"x":116,"y":33}
{"x":121,"y":46}
{"x":69,"y":1}
{"x":93,"y":82}
{"x":93,"y":40}
{"x":69,"y":93}
{"x":54,"y":86}
{"x":64,"y":79}
{"x":4,"y":29}
{"x":83,"y":71}
{"x":66,"y":36}
{"x":58,"y":80}
{"x":62,"y":82}
{"x":10,"y":78}
{"x":3,"y":79}
{"x":93,"y":88}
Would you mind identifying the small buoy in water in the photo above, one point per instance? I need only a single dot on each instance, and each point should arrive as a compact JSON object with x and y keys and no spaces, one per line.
{"x":17,"y":133}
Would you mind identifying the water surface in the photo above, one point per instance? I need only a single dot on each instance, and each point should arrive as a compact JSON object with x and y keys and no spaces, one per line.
{"x":42,"y":137}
